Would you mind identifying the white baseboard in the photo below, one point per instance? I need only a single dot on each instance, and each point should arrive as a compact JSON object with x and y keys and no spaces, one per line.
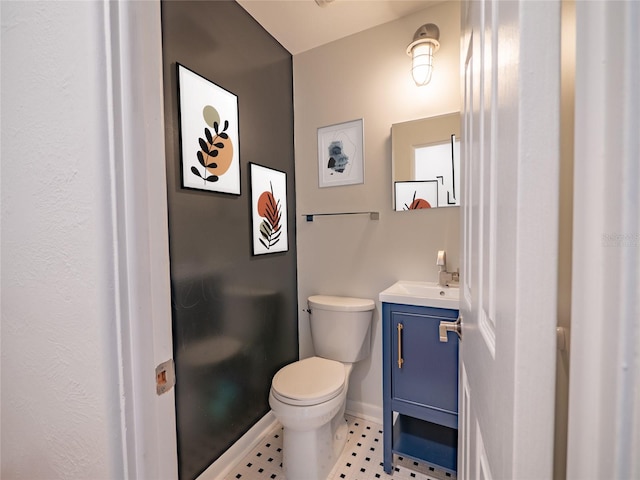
{"x":243,"y":446}
{"x":365,"y":411}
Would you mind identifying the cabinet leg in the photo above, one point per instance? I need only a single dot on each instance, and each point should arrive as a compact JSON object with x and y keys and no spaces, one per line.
{"x":387,"y":442}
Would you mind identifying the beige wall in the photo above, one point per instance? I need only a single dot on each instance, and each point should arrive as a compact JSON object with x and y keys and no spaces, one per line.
{"x":367,"y":76}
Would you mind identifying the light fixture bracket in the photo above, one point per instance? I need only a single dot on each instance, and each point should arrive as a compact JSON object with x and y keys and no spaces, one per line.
{"x":427,"y":33}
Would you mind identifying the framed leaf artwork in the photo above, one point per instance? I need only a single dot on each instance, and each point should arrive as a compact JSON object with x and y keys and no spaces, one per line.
{"x":209,"y":134}
{"x":268,"y":210}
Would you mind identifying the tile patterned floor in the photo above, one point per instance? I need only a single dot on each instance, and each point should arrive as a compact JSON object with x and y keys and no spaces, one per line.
{"x":360,"y":460}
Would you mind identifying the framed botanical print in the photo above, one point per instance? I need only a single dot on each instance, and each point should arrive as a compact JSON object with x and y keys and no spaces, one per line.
{"x":209,"y":134}
{"x":268,"y":210}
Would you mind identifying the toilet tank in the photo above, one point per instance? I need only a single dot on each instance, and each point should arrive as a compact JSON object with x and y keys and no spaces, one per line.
{"x":341,"y":327}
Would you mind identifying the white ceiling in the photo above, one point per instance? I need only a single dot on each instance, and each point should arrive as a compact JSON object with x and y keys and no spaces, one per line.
{"x":301,"y":25}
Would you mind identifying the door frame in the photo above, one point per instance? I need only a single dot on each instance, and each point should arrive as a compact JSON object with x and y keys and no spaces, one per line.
{"x":135,"y":107}
{"x":604,"y":390}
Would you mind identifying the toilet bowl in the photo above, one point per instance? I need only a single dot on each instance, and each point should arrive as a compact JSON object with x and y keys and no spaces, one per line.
{"x":308,"y":397}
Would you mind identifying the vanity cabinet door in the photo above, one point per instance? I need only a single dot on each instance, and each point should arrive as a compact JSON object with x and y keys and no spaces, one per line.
{"x":427,"y":373}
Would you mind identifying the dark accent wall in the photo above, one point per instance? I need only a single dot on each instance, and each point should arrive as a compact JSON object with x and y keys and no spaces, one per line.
{"x":234,"y":314}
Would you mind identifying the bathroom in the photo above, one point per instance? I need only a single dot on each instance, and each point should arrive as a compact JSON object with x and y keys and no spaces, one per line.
{"x":333,"y":255}
{"x":91,"y":324}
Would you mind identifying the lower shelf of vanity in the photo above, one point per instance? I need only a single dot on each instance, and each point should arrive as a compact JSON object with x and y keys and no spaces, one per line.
{"x":430,"y":443}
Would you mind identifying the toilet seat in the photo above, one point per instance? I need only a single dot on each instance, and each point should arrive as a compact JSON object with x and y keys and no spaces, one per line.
{"x":308,"y":382}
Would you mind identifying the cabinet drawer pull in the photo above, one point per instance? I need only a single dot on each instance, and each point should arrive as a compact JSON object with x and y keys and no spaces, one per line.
{"x":400,"y":359}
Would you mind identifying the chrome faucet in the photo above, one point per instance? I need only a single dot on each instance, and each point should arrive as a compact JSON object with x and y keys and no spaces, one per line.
{"x":446,"y":278}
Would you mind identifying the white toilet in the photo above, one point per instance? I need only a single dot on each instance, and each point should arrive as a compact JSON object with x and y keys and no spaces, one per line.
{"x":308,"y":397}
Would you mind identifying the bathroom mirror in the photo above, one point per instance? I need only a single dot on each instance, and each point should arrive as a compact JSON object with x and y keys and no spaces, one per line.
{"x":426,"y":163}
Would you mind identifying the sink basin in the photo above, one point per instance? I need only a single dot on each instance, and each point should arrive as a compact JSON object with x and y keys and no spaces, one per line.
{"x":424,"y":294}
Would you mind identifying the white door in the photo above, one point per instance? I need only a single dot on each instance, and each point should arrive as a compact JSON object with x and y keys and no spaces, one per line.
{"x":511,"y":72}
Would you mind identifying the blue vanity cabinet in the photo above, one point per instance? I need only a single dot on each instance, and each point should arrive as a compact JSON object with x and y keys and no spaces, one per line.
{"x":420,"y":386}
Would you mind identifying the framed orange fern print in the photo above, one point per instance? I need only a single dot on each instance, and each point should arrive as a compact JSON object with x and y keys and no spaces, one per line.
{"x":268,"y":210}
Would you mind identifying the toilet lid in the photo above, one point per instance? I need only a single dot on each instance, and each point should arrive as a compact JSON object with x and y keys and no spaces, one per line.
{"x":309,"y":382}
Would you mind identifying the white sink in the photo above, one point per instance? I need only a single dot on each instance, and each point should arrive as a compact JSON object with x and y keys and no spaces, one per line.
{"x":424,"y":294}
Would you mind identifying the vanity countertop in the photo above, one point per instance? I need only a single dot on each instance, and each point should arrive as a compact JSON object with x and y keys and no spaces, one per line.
{"x":424,"y":294}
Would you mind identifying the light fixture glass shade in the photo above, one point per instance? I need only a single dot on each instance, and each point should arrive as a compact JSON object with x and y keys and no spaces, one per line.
{"x":422,"y":63}
{"x":425,"y":43}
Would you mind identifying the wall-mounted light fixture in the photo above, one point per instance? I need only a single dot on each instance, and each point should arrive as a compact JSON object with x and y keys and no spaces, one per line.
{"x":425,"y":43}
